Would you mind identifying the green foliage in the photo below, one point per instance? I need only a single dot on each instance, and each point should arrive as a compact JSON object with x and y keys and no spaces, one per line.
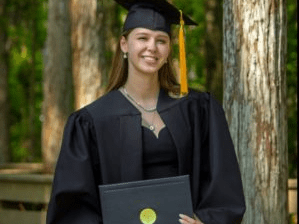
{"x":25,"y":17}
{"x":292,"y":87}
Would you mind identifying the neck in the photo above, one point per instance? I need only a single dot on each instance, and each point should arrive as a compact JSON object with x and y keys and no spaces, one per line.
{"x":144,"y":88}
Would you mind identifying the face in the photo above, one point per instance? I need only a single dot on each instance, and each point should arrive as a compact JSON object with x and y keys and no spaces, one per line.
{"x":147,"y":50}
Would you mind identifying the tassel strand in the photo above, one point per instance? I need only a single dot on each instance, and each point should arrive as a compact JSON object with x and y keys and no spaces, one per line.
{"x":183,"y":66}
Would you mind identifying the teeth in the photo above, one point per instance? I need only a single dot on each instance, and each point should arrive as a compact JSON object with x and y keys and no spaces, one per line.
{"x":150,"y":57}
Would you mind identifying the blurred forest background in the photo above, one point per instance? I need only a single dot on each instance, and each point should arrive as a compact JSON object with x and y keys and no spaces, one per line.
{"x":23,"y":29}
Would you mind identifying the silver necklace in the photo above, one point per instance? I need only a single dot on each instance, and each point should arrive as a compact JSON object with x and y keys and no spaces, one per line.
{"x":152,"y":126}
{"x":150,"y":110}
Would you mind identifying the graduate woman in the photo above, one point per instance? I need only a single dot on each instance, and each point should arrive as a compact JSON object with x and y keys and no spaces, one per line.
{"x":147,"y":126}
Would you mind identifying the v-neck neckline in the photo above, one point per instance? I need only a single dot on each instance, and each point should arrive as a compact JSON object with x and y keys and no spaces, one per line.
{"x":157,"y":136}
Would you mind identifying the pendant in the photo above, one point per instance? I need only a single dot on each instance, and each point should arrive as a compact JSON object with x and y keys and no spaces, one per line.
{"x":152,"y":127}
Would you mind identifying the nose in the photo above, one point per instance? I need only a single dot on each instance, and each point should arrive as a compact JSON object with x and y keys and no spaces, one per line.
{"x":152,"y":45}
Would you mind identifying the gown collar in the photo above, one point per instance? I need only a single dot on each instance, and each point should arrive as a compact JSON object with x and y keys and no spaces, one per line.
{"x":164,"y":102}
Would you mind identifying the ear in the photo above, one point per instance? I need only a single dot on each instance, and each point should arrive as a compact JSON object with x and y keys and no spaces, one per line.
{"x":124,"y":44}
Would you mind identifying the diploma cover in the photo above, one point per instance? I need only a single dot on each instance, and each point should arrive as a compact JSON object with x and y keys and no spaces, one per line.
{"x":155,"y":201}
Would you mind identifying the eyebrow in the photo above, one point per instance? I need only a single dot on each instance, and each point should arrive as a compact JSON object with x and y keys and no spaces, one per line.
{"x":144,"y":33}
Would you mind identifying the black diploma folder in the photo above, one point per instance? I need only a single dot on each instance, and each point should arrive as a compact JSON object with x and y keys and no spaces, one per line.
{"x":158,"y":201}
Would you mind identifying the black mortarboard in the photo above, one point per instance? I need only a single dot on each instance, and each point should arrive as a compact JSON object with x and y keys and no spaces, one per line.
{"x":152,"y":14}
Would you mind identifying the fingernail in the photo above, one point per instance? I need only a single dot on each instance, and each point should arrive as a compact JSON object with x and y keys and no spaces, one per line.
{"x":181,"y":215}
{"x":180,"y":220}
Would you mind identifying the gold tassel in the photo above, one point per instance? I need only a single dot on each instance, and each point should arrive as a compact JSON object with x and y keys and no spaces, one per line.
{"x":183,"y":67}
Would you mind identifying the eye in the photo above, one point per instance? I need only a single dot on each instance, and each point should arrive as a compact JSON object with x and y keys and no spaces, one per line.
{"x":162,"y":41}
{"x":142,"y":38}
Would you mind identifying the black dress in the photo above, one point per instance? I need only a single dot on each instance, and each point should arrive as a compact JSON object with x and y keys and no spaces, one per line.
{"x":159,"y":155}
{"x":102,"y":144}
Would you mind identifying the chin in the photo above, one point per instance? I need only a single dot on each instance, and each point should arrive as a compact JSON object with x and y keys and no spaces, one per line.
{"x":150,"y":69}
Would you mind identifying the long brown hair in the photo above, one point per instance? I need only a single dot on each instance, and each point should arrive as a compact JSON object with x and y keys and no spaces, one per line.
{"x":119,"y":72}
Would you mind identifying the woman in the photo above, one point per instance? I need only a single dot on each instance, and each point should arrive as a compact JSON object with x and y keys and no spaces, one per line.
{"x":141,"y":130}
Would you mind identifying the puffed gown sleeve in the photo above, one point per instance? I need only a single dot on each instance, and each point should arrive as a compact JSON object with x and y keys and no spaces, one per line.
{"x":74,"y":196}
{"x":221,"y":198}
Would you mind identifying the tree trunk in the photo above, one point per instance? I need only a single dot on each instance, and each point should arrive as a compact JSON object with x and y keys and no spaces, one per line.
{"x":4,"y":103}
{"x":213,"y":48}
{"x":87,"y":49}
{"x":58,"y":101}
{"x":255,"y":103}
{"x":111,"y":35}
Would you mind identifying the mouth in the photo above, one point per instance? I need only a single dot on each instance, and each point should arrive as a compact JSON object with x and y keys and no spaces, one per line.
{"x":150,"y":58}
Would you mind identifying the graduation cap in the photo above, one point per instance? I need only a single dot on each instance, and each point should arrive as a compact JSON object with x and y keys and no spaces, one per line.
{"x":159,"y":15}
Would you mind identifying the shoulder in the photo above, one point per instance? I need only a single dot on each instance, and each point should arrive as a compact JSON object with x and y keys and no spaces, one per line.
{"x":109,"y":104}
{"x":193,"y":99}
{"x":80,"y":117}
{"x":198,"y":95}
{"x":105,"y":102}
{"x":204,"y":100}
{"x":102,"y":106}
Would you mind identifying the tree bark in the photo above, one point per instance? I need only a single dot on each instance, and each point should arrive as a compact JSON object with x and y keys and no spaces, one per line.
{"x":4,"y":102}
{"x":87,"y":49}
{"x":58,"y":100}
{"x":111,"y":35}
{"x":255,"y":103}
{"x":213,"y":48}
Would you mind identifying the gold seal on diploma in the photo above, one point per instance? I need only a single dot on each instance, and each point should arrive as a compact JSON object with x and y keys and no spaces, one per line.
{"x":148,"y":216}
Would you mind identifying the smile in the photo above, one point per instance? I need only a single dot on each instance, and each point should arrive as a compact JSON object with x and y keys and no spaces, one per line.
{"x":151,"y":58}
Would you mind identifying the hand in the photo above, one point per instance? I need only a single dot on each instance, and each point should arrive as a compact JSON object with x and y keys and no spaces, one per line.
{"x":187,"y":220}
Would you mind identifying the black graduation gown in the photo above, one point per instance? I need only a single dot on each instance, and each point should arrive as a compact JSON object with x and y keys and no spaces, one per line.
{"x":102,"y":144}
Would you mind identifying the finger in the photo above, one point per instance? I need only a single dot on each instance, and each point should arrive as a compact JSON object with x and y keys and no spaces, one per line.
{"x":187,"y":219}
{"x":183,"y":221}
{"x":187,"y":222}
